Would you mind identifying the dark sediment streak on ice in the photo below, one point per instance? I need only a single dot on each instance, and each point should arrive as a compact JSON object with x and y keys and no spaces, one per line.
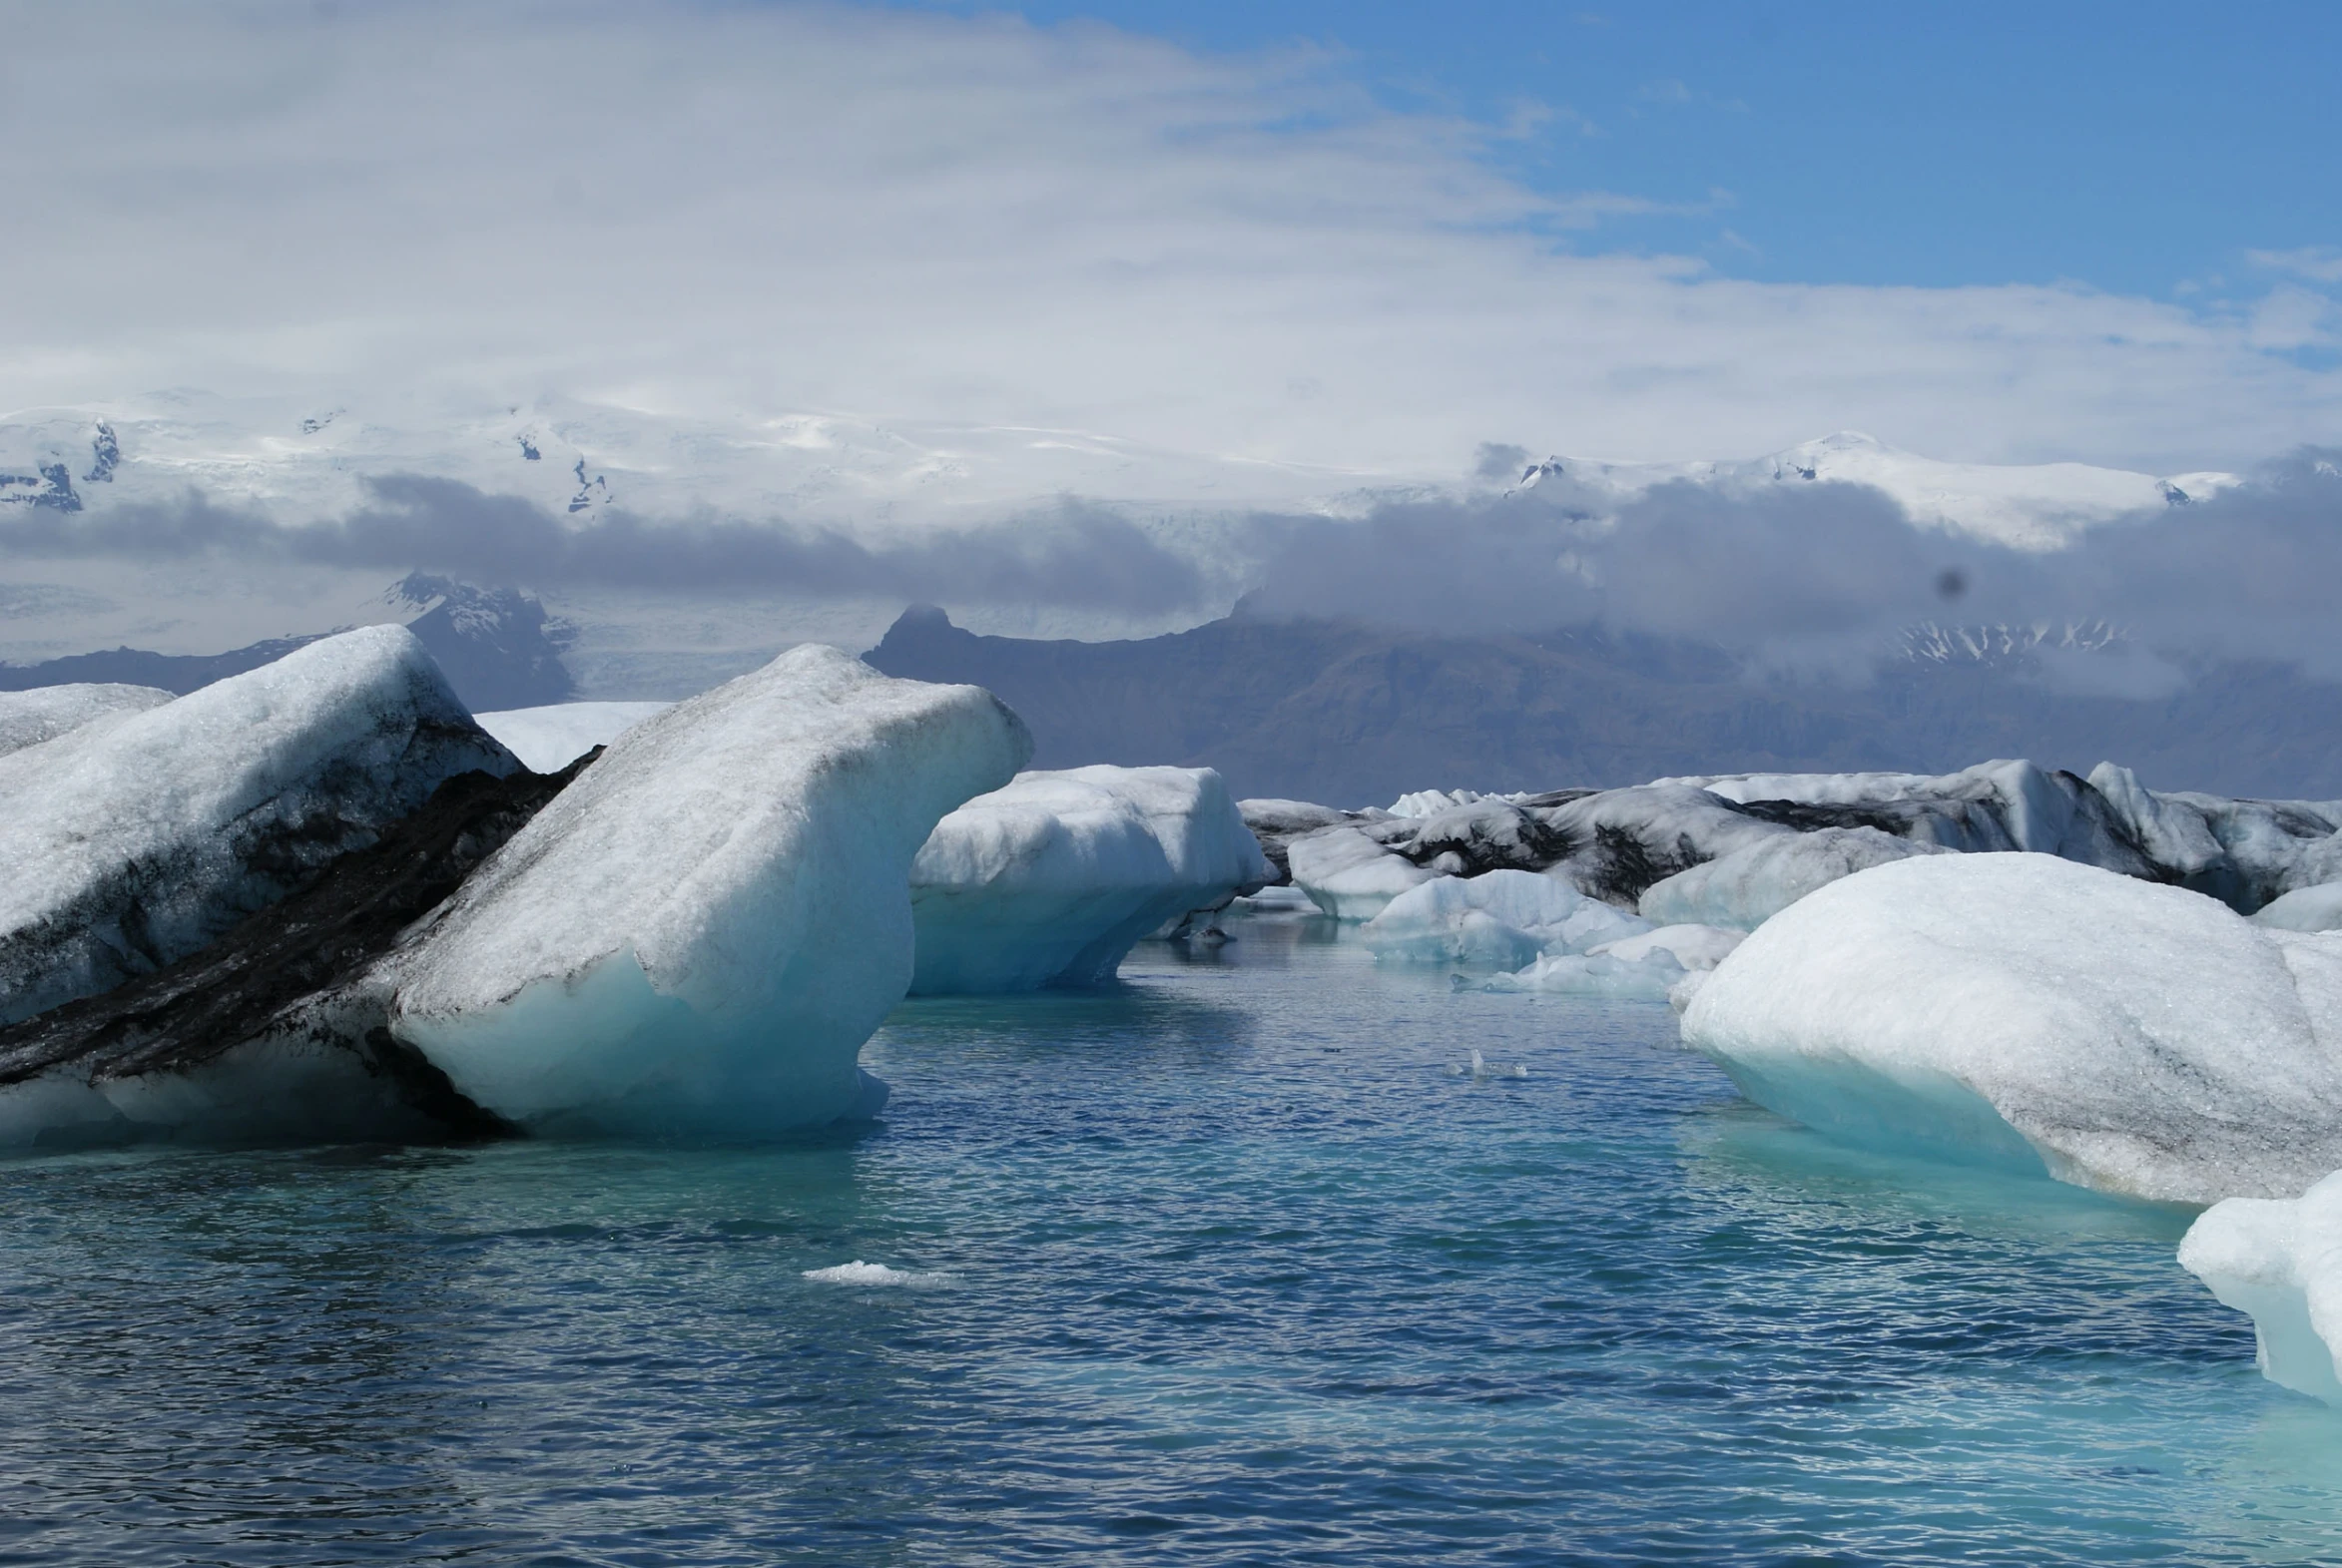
{"x":255,"y":980}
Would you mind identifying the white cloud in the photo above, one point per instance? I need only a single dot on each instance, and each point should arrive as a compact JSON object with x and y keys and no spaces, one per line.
{"x":705,"y":207}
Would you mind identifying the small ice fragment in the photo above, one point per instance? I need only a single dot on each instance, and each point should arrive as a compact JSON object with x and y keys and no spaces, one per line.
{"x":860,"y":1272}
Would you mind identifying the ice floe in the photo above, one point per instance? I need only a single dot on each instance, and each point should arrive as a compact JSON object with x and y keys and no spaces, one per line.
{"x":549,"y":739}
{"x":2280,"y":1260}
{"x":1050,"y":881}
{"x":698,"y":935}
{"x":47,"y":711}
{"x":1500,"y":918}
{"x":134,"y":840}
{"x":2027,"y":1010}
{"x":860,"y":1272}
{"x":1749,"y":885}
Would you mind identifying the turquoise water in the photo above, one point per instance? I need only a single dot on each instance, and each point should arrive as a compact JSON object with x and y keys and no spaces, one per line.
{"x":1226,"y":1267}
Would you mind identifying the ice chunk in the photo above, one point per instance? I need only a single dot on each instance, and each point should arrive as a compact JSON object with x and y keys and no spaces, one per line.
{"x":1431,"y":802}
{"x":134,"y":840}
{"x":2316,"y":908}
{"x":1050,"y":881}
{"x":550,"y":739}
{"x":1502,"y":918}
{"x":1277,"y":823}
{"x":1753,"y":883}
{"x":2027,"y":1010}
{"x":1690,"y":946}
{"x":46,"y":712}
{"x":1645,"y":980}
{"x":699,"y":934}
{"x":2280,"y":1260}
{"x":1349,"y":875}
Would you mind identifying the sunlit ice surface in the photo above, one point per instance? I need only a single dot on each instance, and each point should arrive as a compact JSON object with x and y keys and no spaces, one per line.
{"x":1229,"y":1263}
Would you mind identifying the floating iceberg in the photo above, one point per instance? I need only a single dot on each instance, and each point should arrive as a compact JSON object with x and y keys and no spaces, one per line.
{"x":2025,"y":1010}
{"x":1277,"y":823}
{"x":134,"y":840}
{"x":47,"y":711}
{"x":2316,"y":908}
{"x":1500,"y":918}
{"x":2280,"y":1260}
{"x":1747,"y":887}
{"x":549,"y":739}
{"x":699,"y":934}
{"x":1646,"y":966}
{"x":1349,"y":875}
{"x":1050,"y":881}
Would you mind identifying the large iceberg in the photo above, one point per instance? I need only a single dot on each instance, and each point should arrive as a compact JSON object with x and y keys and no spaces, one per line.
{"x":134,"y":840}
{"x":698,"y":935}
{"x":549,"y":739}
{"x":1748,"y":887}
{"x":1050,"y":880}
{"x":2280,"y":1260}
{"x":272,"y":1032}
{"x":47,"y":711}
{"x":2027,"y":1010}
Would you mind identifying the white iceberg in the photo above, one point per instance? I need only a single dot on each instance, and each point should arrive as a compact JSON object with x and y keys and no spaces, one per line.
{"x":1646,"y":966}
{"x":47,"y":711}
{"x":1500,"y":918}
{"x":1751,"y":885}
{"x":2280,"y":1260}
{"x":2316,"y":908}
{"x":2025,"y":1010}
{"x":134,"y":840}
{"x":549,"y":739}
{"x":1347,"y":874}
{"x":1050,"y":880}
{"x":698,"y":935}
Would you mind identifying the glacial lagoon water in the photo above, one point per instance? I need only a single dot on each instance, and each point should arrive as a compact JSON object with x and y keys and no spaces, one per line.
{"x":1227,"y":1266}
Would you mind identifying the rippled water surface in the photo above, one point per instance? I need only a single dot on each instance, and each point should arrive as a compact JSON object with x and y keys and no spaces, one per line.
{"x":1229,"y":1265}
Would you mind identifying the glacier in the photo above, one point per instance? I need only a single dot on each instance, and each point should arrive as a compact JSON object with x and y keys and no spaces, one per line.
{"x":549,"y":739}
{"x":2280,"y":1260}
{"x":1051,"y":879}
{"x":697,"y":937}
{"x":47,"y":711}
{"x":2028,"y":1011}
{"x":134,"y":840}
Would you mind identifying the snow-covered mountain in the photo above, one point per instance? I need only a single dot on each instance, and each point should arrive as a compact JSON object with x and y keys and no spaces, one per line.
{"x":2038,"y":506}
{"x":298,"y":462}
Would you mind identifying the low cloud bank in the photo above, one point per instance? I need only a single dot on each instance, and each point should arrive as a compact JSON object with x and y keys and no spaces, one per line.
{"x":1822,"y":577}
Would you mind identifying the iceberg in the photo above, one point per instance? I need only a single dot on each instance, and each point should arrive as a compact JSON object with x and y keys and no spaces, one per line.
{"x":1347,"y":874}
{"x":1050,"y":881}
{"x":1646,"y":966}
{"x":549,"y":739}
{"x":2033,"y":1012}
{"x":134,"y":840}
{"x":698,"y":935}
{"x":1751,"y":885}
{"x":2280,"y":1260}
{"x":1500,"y":918}
{"x":47,"y":711}
{"x":1275,"y":823}
{"x":2317,"y":908}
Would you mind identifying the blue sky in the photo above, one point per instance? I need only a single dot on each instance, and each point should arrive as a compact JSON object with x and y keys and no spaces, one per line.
{"x":2144,"y":148}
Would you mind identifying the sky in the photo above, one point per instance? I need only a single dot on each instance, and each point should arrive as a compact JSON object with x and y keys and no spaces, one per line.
{"x":1366,"y":237}
{"x":2140,"y":148}
{"x":1340,"y":247}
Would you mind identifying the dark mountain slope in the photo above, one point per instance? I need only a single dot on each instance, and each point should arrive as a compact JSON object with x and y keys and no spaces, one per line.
{"x":1355,"y":715}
